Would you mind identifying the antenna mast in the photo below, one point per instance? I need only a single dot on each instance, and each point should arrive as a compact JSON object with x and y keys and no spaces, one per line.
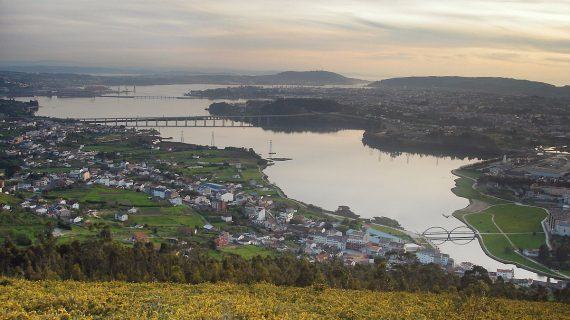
{"x":271,"y":153}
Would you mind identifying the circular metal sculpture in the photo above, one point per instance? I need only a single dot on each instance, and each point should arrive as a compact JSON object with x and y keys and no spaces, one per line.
{"x":461,"y":235}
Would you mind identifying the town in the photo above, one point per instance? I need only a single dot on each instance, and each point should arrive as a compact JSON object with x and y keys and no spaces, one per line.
{"x":80,"y":181}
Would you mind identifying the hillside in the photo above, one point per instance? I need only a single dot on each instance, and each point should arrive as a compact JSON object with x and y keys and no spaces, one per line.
{"x":309,"y":78}
{"x":121,"y":300}
{"x":313,"y":78}
{"x":477,"y":84}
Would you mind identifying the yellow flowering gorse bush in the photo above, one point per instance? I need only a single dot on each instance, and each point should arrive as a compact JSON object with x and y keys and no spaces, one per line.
{"x":21,"y":299}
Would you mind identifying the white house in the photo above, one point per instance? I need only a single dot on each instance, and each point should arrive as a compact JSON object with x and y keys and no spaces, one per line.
{"x":159,"y":192}
{"x":227,"y":218}
{"x":562,"y":228}
{"x":427,"y":256}
{"x":227,"y":197}
{"x":176,"y":201}
{"x":121,"y":217}
{"x":287,"y":215}
{"x":259,"y":213}
{"x":506,"y":274}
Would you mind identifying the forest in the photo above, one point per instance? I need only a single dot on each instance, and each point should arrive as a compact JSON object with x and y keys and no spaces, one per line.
{"x":104,"y":260}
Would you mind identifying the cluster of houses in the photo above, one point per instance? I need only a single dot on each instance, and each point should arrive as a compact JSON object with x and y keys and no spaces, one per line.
{"x":278,"y":226}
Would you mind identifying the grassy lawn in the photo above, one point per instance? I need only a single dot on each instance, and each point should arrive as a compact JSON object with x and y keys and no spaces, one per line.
{"x":528,"y":241}
{"x":393,"y":232}
{"x":499,"y":246}
{"x":464,"y":188}
{"x":20,"y":223}
{"x":248,"y":252}
{"x":515,"y":218}
{"x":482,"y":222}
{"x":307,"y":212}
{"x":473,"y":174}
{"x":512,"y":218}
{"x":167,"y":217}
{"x":106,"y":195}
{"x":8,"y":199}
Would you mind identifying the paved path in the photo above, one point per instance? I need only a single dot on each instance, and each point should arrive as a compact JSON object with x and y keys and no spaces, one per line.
{"x":478,"y":206}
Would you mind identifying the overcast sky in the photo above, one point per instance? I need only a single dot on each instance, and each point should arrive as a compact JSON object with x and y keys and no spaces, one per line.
{"x":367,"y":38}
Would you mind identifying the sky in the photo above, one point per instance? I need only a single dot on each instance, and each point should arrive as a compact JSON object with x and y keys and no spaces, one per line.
{"x":370,"y":39}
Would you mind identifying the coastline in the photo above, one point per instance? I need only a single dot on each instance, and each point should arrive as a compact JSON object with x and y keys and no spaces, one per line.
{"x":461,"y":213}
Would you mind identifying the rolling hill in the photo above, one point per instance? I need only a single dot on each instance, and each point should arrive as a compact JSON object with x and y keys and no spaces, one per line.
{"x":495,"y":85}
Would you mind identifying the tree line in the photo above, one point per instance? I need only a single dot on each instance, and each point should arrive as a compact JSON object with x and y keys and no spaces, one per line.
{"x":105,"y":260}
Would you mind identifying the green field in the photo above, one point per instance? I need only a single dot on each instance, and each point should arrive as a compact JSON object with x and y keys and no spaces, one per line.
{"x":516,"y":218}
{"x":249,"y":251}
{"x":499,"y":246}
{"x":100,"y":194}
{"x":473,"y":174}
{"x":392,"y":231}
{"x":167,"y":217}
{"x":17,"y":224}
{"x":511,"y":218}
{"x":464,"y":188}
{"x":482,"y":222}
{"x":8,"y":199}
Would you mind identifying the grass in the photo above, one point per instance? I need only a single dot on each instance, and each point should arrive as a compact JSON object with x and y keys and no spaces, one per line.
{"x":14,"y":223}
{"x":464,"y":188}
{"x":482,"y":222}
{"x":305,"y":211}
{"x":167,"y":217}
{"x":516,"y":218}
{"x":392,"y":231}
{"x":51,"y":170}
{"x":473,"y":174}
{"x":8,"y":199}
{"x":248,"y":251}
{"x":99,"y":194}
{"x":499,"y":246}
{"x":510,"y":218}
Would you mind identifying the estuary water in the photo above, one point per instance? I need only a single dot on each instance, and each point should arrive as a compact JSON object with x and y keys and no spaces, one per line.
{"x":327,"y":169}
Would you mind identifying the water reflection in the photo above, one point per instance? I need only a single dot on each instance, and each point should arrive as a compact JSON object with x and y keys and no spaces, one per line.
{"x":327,"y":169}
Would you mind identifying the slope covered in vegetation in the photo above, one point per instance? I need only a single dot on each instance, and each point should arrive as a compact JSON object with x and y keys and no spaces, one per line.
{"x":121,"y":300}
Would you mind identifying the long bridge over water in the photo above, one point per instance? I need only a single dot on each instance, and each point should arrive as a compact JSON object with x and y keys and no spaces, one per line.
{"x":192,"y":121}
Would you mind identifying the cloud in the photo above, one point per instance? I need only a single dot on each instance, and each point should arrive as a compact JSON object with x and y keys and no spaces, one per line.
{"x":355,"y":36}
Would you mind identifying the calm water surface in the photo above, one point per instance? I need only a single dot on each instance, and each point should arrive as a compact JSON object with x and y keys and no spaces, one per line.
{"x":328,"y":169}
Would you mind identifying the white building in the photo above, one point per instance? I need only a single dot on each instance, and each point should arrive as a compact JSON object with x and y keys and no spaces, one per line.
{"x":506,"y":274}
{"x":227,"y":197}
{"x":427,"y":256}
{"x":286,"y":216}
{"x":562,"y":228}
{"x":121,"y":217}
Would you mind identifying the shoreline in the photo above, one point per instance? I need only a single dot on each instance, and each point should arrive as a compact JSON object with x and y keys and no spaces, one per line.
{"x":461,"y":217}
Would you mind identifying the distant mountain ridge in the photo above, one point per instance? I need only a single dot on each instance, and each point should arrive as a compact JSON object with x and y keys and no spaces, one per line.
{"x":322,"y":77}
{"x":496,"y":85}
{"x":316,"y":78}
